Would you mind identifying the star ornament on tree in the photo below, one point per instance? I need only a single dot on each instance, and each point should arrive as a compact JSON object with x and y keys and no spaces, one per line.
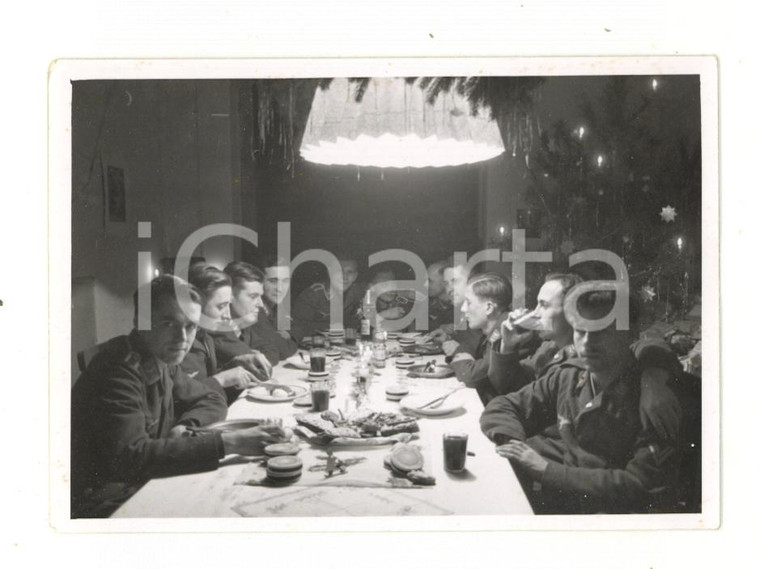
{"x":647,"y":293}
{"x":668,"y":214}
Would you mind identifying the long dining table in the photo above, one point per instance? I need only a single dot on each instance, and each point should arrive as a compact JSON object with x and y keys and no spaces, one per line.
{"x":487,"y":486}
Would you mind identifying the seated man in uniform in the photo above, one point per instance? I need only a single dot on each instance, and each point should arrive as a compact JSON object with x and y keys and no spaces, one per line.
{"x":604,"y":459}
{"x":275,"y":287}
{"x":456,"y":336}
{"x":486,"y":304}
{"x":510,"y":368}
{"x":245,"y":306}
{"x":311,"y":310}
{"x":132,"y":408}
{"x":440,"y":309}
{"x":202,"y":363}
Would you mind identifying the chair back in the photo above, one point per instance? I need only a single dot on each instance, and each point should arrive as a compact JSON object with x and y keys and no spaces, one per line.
{"x":86,"y":356}
{"x":688,"y":389}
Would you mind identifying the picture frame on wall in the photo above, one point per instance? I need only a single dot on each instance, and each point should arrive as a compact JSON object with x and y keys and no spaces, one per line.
{"x":114,"y":191}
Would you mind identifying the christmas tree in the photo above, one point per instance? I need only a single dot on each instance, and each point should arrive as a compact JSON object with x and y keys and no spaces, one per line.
{"x":624,"y":181}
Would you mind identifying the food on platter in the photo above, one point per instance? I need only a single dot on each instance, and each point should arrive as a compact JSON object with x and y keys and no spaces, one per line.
{"x":370,"y":428}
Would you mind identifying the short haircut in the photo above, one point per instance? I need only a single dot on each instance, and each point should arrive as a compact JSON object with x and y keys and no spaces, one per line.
{"x":438,"y":267}
{"x":597,"y":304}
{"x":165,"y":288}
{"x":241,"y":272}
{"x":207,"y":278}
{"x":473,"y":271}
{"x":493,"y":287}
{"x":345,"y":260}
{"x":566,"y":280}
{"x":267,"y":262}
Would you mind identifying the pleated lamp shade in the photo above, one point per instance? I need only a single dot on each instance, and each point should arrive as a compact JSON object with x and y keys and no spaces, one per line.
{"x":394,"y":127}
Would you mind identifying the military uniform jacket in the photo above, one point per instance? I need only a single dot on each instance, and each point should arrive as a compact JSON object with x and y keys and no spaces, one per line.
{"x":266,"y":328}
{"x":471,"y":360}
{"x":509,"y":372}
{"x":122,"y":409}
{"x":229,"y":345}
{"x":605,"y":460}
{"x":201,"y":364}
{"x":311,"y":310}
{"x":439,"y":313}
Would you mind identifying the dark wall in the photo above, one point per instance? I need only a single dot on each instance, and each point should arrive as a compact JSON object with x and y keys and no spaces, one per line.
{"x":355,"y":212}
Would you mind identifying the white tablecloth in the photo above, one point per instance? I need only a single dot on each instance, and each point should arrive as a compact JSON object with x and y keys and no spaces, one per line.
{"x":487,"y":487}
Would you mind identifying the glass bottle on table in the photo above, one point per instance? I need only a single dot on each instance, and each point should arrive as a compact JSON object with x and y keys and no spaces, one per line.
{"x":365,"y":328}
{"x":379,"y":350}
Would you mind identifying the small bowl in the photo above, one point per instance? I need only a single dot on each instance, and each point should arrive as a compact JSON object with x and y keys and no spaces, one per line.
{"x":285,"y":468}
{"x":396,"y":392}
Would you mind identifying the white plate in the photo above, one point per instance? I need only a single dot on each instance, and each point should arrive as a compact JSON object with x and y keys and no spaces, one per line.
{"x":260,"y":394}
{"x":412,"y":403}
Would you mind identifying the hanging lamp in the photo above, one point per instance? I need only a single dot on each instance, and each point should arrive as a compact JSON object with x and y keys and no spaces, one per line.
{"x":393,"y":126}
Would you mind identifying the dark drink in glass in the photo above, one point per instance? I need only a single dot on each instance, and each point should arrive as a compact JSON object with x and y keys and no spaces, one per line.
{"x":350,"y":337}
{"x":320,"y":397}
{"x":317,"y":356}
{"x":317,"y":363}
{"x":454,"y":451}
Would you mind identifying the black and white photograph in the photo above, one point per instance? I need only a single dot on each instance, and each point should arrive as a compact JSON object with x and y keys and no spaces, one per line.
{"x":305,"y":296}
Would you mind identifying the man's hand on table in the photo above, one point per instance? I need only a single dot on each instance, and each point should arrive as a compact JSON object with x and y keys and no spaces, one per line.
{"x":449,"y":347}
{"x":179,"y":431}
{"x":257,"y":363}
{"x":237,"y":377}
{"x":526,"y":457}
{"x":251,"y":442}
{"x":439,"y":336}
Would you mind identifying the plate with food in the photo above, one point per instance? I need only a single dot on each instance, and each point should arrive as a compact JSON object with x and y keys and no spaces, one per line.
{"x":360,"y":429}
{"x":431,"y":370}
{"x":275,"y":392}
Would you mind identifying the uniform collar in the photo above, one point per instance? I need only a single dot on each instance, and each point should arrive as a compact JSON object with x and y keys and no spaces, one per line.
{"x":269,"y":306}
{"x":495,"y":335}
{"x":585,"y":376}
{"x":151,"y":367}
